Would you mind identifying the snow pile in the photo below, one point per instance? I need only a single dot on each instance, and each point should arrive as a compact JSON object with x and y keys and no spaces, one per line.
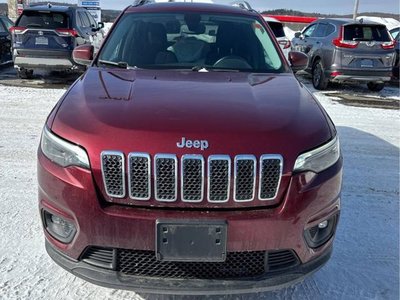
{"x":107,"y":27}
{"x":289,"y":33}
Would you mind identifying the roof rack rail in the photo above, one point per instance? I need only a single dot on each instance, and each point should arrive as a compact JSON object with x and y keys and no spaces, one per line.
{"x":242,"y":5}
{"x":142,"y":2}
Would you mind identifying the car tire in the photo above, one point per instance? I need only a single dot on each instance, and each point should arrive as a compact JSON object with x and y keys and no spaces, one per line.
{"x":25,"y":74}
{"x":375,"y":86}
{"x":319,"y":80}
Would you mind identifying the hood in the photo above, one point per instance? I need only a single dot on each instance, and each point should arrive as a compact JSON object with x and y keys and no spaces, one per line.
{"x":151,"y":111}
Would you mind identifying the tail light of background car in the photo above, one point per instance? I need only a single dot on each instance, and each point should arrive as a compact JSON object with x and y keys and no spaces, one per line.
{"x":17,"y":30}
{"x":67,"y":32}
{"x":388,"y":45}
{"x":339,"y":42}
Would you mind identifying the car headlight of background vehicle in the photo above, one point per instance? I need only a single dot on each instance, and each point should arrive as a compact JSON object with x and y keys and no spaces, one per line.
{"x":62,"y":152}
{"x":319,"y":159}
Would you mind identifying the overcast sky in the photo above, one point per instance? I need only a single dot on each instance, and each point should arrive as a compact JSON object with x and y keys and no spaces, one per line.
{"x":320,"y":6}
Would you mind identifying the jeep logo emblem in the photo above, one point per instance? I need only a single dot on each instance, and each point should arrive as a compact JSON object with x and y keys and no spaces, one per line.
{"x":198,"y":144}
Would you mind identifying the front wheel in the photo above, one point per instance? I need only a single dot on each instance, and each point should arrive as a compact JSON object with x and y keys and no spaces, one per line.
{"x":319,"y":80}
{"x":375,"y":86}
{"x":25,"y":74}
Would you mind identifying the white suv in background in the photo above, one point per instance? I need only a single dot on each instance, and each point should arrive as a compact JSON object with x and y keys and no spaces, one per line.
{"x":279,"y":32}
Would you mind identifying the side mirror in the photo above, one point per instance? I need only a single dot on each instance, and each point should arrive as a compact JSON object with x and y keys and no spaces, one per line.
{"x":297,"y":34}
{"x":83,"y":55}
{"x":298,"y":60}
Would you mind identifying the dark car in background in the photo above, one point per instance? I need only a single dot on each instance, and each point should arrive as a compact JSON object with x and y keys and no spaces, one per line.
{"x":395,"y":34}
{"x":5,"y":39}
{"x":45,"y":36}
{"x":343,"y":50}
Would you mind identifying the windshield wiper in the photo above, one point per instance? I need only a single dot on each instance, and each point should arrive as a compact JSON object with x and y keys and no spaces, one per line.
{"x":121,"y":64}
{"x":199,"y":69}
{"x":214,"y":69}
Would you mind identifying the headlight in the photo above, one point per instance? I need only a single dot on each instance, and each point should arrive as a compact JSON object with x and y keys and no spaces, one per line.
{"x":61,"y":152}
{"x":319,"y":159}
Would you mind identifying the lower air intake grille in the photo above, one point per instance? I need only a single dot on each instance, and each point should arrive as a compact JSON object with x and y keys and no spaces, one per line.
{"x":237,"y":265}
{"x":283,"y":259}
{"x":101,"y":257}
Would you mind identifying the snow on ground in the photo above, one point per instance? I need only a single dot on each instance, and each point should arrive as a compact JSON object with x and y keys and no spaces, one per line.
{"x":365,"y":262}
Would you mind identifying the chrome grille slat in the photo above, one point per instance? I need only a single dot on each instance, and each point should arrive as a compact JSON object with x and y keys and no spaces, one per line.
{"x":139,"y":175}
{"x":270,"y":176}
{"x":165,"y":177}
{"x":219,"y":178}
{"x":192,"y":178}
{"x":113,"y":170}
{"x":245,"y":178}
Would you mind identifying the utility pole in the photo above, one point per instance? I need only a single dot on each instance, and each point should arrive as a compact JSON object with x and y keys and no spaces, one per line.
{"x":356,"y":3}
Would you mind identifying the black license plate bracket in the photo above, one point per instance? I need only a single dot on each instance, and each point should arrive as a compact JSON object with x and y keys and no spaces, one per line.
{"x":194,"y":241}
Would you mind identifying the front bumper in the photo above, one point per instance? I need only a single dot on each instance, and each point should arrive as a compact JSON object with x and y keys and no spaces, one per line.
{"x":71,"y":194}
{"x":113,"y":279}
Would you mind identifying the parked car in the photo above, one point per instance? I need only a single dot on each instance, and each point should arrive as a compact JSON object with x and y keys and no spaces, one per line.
{"x":342,"y":50}
{"x":279,"y":32}
{"x":396,"y":36}
{"x":5,"y":39}
{"x":189,"y":159}
{"x":45,"y":36}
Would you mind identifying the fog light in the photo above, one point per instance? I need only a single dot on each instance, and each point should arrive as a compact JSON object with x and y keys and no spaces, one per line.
{"x":323,"y":225}
{"x":318,"y":235}
{"x":58,"y":227}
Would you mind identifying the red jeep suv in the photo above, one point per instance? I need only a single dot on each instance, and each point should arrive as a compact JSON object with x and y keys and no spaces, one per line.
{"x":188,"y":159}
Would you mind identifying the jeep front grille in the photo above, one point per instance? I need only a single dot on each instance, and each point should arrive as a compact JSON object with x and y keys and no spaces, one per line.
{"x":139,"y":176}
{"x":165,"y":177}
{"x":113,"y":169}
{"x":192,"y":173}
{"x":219,"y":178}
{"x":245,"y":181}
{"x":160,"y":177}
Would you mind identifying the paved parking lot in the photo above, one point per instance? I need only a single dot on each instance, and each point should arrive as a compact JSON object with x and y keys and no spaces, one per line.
{"x":365,"y":263}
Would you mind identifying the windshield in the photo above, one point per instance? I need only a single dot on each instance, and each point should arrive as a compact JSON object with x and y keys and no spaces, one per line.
{"x":43,"y":19}
{"x":277,"y":28}
{"x":196,"y":41}
{"x":360,"y":32}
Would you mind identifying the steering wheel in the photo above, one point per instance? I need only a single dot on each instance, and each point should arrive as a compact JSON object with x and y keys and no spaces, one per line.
{"x":232,"y":62}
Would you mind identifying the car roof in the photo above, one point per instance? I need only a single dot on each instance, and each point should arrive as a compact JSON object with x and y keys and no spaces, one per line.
{"x":55,"y":8}
{"x":347,"y":21}
{"x":190,"y":7}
